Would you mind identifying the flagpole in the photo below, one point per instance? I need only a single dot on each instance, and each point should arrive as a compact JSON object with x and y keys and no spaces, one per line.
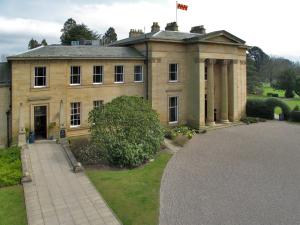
{"x":176,"y":11}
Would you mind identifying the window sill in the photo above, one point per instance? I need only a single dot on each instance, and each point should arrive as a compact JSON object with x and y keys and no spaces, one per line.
{"x":119,"y":82}
{"x":97,"y":83}
{"x":138,"y":81}
{"x":74,"y":127}
{"x":173,"y":81}
{"x":75,"y":84}
{"x":39,"y":87}
{"x":173,"y":122}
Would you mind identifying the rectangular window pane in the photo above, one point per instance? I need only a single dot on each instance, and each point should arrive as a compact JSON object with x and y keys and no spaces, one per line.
{"x":40,"y":76}
{"x":138,"y":73}
{"x":173,"y":109}
{"x":98,"y":76}
{"x":75,"y":75}
{"x":75,"y":114}
{"x":119,"y":74}
{"x":97,"y":104}
{"x":173,"y":72}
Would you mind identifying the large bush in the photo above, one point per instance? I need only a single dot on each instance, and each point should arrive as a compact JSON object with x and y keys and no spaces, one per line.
{"x":127,"y":129}
{"x":295,"y":114}
{"x":264,"y":108}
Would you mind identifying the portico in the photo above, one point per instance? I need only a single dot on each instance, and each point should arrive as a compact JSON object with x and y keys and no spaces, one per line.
{"x":219,"y":95}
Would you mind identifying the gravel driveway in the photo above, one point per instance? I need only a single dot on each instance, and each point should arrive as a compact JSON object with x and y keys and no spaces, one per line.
{"x":242,"y":175}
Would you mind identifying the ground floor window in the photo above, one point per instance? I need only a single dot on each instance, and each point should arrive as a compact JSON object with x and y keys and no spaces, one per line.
{"x":138,"y":73}
{"x":97,"y":104}
{"x":75,"y":114}
{"x":173,"y":109}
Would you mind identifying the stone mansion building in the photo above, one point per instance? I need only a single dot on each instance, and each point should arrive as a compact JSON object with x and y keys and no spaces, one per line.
{"x":194,"y":78}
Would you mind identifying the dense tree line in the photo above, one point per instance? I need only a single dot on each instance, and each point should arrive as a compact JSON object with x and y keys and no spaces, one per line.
{"x":279,"y":72}
{"x":34,"y":43}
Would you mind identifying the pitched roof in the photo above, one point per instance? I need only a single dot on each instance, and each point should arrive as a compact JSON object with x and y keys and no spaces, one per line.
{"x":177,"y":37}
{"x":5,"y":73}
{"x":79,"y":52}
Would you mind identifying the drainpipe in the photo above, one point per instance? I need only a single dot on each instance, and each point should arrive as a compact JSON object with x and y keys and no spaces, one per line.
{"x":8,"y":127}
{"x":147,"y":69}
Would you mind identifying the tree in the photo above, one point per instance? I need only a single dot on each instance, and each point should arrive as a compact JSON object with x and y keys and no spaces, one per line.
{"x":297,"y":86}
{"x":33,"y":44}
{"x":127,"y":129}
{"x":109,"y":36}
{"x":254,"y":82}
{"x":3,"y":58}
{"x":287,"y":82}
{"x":76,"y":32}
{"x":44,"y":42}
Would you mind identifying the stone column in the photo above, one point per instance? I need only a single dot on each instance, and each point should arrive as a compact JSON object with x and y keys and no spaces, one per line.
{"x":224,"y":92}
{"x":22,"y":131}
{"x":62,"y":131}
{"x":201,"y":69}
{"x":210,"y":93}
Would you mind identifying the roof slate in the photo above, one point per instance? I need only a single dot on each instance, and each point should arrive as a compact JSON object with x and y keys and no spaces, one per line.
{"x":80,"y":51}
{"x":175,"y":36}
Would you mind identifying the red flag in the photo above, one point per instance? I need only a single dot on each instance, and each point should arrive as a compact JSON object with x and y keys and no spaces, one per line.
{"x":182,"y":6}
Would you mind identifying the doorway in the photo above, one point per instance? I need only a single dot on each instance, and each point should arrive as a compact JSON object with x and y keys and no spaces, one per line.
{"x":40,"y":122}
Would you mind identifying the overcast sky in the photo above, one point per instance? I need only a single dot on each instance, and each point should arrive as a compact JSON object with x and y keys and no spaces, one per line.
{"x":272,"y":25}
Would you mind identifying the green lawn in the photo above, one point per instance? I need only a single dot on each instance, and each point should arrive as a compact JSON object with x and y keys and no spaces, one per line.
{"x":12,"y":206}
{"x":291,"y":102}
{"x":132,"y":194}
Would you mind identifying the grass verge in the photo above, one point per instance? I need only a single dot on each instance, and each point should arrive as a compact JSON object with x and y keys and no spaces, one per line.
{"x":12,"y":209}
{"x":132,"y":194}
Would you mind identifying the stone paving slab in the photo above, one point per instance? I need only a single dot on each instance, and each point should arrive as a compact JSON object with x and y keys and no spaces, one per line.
{"x":57,"y":196}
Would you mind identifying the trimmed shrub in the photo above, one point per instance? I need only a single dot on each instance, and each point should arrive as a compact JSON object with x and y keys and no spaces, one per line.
{"x":259,"y":108}
{"x":272,"y":103}
{"x":172,"y":133}
{"x":86,"y":152}
{"x":295,"y":114}
{"x":264,"y":108}
{"x":289,"y":93}
{"x":128,"y":131}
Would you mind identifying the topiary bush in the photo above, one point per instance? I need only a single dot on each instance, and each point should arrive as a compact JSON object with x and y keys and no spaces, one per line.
{"x":259,"y":108}
{"x":264,"y":108}
{"x":272,"y":103}
{"x":127,"y":130}
{"x":295,"y":114}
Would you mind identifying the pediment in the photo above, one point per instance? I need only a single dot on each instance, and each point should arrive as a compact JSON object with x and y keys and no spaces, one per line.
{"x":223,"y":37}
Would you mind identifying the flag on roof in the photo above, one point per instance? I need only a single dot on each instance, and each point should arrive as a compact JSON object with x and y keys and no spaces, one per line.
{"x":182,"y":6}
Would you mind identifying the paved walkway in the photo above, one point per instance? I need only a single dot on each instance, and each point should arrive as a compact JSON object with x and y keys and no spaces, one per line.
{"x":235,"y":176}
{"x":57,"y":195}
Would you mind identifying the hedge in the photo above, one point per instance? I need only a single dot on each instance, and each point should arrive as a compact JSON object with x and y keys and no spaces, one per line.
{"x":295,"y":114}
{"x":264,"y":108}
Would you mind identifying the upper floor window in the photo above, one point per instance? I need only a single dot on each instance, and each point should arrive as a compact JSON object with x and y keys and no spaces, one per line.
{"x":119,"y":74}
{"x":75,"y":114}
{"x":97,"y":104}
{"x":205,"y":72}
{"x":40,"y":76}
{"x":173,"y":72}
{"x":75,"y":75}
{"x":98,"y":75}
{"x":138,"y":73}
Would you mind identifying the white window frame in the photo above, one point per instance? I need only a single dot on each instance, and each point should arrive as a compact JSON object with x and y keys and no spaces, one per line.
{"x":43,"y":76}
{"x":100,"y":74}
{"x":72,"y":75}
{"x":171,"y":72}
{"x":171,"y":107}
{"x":141,"y":74}
{"x":78,"y":113}
{"x":97,"y":104}
{"x":116,"y":74}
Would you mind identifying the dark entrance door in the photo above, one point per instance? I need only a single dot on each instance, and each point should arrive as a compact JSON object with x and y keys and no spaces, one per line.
{"x":40,"y":122}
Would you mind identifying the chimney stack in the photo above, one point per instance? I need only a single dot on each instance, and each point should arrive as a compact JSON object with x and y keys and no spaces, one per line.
{"x":172,"y":26}
{"x":198,"y":30}
{"x":135,"y":33}
{"x":155,"y":27}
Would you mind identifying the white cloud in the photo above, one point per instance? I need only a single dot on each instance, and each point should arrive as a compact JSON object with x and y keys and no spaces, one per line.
{"x":273,"y":26}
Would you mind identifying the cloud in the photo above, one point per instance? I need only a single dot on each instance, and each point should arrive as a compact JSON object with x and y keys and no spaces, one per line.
{"x":269,"y":26}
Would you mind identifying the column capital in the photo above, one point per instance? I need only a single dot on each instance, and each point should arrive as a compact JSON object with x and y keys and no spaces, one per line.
{"x":225,"y":62}
{"x":211,"y":61}
{"x":199,"y":60}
